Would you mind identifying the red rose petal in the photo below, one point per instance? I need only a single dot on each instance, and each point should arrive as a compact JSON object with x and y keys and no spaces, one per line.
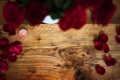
{"x":105,"y":48}
{"x":118,"y":30}
{"x":98,"y":45}
{"x":15,"y":47}
{"x":100,"y":70}
{"x":4,"y":42}
{"x":3,"y":66}
{"x":110,"y":61}
{"x":118,"y":38}
{"x":12,"y":57}
{"x":103,"y":37}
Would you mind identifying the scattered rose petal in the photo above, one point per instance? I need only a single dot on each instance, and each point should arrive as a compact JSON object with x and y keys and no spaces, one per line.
{"x":105,"y":48}
{"x":3,"y":66}
{"x":98,"y":45}
{"x":110,"y":61}
{"x":100,"y":70}
{"x":12,"y":57}
{"x":15,"y":47}
{"x":4,"y":42}
{"x":118,"y":38}
{"x":103,"y":37}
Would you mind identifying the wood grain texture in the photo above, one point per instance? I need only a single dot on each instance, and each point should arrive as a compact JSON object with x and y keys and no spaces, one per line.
{"x":51,"y":54}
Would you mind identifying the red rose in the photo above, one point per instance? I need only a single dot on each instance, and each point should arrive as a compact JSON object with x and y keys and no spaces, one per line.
{"x":75,"y":17}
{"x":35,"y":12}
{"x":89,"y":3}
{"x":13,"y":15}
{"x":104,"y":14}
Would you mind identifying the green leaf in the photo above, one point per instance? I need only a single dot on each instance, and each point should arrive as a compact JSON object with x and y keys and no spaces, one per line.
{"x":23,"y":3}
{"x":58,"y":3}
{"x":50,"y":4}
{"x":54,"y":15}
{"x":26,"y":22}
{"x":67,"y":4}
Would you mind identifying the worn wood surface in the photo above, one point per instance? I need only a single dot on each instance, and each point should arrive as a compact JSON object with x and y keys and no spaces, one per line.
{"x":51,"y":54}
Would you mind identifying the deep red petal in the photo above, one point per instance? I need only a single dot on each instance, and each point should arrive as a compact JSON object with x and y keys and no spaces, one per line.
{"x":105,"y":48}
{"x":110,"y":61}
{"x":4,"y":66}
{"x":103,"y":37}
{"x":12,"y":57}
{"x":4,"y":42}
{"x":98,"y":45}
{"x":100,"y":70}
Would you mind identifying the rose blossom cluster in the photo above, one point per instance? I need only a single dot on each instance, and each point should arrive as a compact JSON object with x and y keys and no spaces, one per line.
{"x":73,"y":17}
{"x":14,"y":15}
{"x":8,"y":53}
{"x":101,"y":44}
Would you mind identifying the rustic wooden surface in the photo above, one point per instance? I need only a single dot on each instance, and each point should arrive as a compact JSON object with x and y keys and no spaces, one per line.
{"x":51,"y":54}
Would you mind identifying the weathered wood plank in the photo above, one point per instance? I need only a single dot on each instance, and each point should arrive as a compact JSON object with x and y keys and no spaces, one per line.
{"x":51,"y":54}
